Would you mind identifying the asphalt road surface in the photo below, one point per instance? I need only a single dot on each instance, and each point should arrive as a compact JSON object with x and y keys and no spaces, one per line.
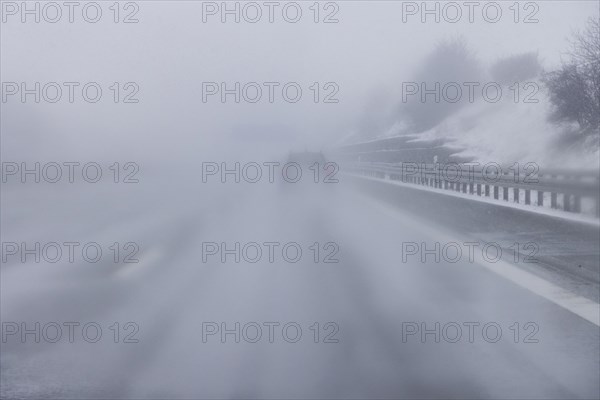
{"x":307,"y":328}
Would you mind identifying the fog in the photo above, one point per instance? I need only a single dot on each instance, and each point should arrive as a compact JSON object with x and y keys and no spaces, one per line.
{"x":185,"y":214}
{"x":170,"y":52}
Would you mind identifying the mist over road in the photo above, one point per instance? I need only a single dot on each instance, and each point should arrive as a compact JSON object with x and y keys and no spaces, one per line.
{"x":156,"y":244}
{"x":370,"y":298}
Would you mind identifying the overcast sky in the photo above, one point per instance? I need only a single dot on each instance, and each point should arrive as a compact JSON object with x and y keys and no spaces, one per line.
{"x":170,"y":52}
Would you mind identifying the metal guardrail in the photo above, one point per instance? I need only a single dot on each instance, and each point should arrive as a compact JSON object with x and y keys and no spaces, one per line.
{"x":494,"y":181}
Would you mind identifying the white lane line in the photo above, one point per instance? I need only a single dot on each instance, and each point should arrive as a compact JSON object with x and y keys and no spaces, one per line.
{"x":585,"y":308}
{"x":127,"y":271}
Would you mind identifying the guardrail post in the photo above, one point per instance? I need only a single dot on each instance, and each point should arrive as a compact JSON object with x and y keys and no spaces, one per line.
{"x":487,"y":190}
{"x":516,"y":195}
{"x":567,"y":202}
{"x":479,"y":189}
{"x":527,"y":196}
{"x":577,"y":204}
{"x":540,"y":198}
{"x":553,"y":202}
{"x":471,"y":191}
{"x":505,"y":193}
{"x":496,"y":189}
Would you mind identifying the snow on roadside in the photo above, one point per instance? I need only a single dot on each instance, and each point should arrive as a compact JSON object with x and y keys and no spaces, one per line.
{"x":507,"y":132}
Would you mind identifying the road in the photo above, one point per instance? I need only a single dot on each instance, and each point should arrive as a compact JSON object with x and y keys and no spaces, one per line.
{"x":363,"y":304}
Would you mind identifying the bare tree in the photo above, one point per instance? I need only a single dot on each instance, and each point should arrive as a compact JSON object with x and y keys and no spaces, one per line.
{"x":516,"y":68}
{"x":451,"y":61}
{"x":575,"y":88}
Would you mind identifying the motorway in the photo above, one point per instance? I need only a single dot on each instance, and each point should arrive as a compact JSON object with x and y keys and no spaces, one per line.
{"x":366,"y":304}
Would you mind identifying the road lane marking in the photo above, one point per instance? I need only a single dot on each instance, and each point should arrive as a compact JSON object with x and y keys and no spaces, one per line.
{"x":584,"y":308}
{"x":129,"y":271}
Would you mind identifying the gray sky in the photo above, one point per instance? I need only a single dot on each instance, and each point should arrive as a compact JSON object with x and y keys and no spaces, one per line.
{"x":170,"y":52}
